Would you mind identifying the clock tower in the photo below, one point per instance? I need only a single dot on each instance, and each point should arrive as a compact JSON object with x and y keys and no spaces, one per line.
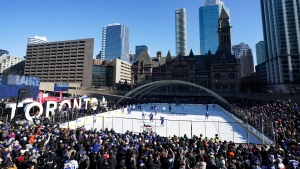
{"x":224,"y":31}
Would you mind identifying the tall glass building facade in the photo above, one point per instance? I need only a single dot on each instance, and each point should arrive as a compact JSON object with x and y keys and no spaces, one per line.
{"x":181,"y":32}
{"x":260,"y":52}
{"x":116,"y":42}
{"x":208,"y":25}
{"x":281,"y":26}
{"x":139,"y":49}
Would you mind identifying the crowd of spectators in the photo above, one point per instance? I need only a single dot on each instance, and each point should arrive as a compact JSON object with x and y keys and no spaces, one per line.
{"x":279,"y":120}
{"x":49,"y":146}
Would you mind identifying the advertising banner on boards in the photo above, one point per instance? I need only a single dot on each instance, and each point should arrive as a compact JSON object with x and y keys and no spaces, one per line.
{"x":11,"y":84}
{"x":61,"y":87}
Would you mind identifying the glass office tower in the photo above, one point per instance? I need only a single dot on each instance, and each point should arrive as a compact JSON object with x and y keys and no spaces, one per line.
{"x":181,"y":32}
{"x":116,"y":39}
{"x":260,"y":52}
{"x":208,"y":25}
{"x":139,"y":49}
{"x":281,"y":26}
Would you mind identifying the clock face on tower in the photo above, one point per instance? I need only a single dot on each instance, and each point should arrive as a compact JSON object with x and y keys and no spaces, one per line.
{"x":224,"y":24}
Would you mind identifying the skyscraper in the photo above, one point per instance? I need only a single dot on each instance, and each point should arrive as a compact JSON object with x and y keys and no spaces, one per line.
{"x":240,"y":49}
{"x":103,"y":43}
{"x":181,"y":32}
{"x":37,"y":39}
{"x":208,"y":25}
{"x":260,"y":52}
{"x":115,"y":41}
{"x":243,"y":53}
{"x":139,"y":49}
{"x":281,"y":26}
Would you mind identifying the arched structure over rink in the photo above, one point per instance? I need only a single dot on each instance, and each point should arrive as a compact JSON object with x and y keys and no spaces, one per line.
{"x":144,"y":89}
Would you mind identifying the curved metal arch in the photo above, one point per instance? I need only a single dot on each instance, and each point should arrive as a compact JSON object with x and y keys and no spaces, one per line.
{"x":136,"y":89}
{"x":146,"y":89}
{"x":170,"y":82}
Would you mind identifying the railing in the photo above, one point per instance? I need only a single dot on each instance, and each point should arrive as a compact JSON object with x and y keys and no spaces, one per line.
{"x":230,"y":131}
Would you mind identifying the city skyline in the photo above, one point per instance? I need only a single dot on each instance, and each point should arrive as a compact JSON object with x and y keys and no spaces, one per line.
{"x":152,"y":26}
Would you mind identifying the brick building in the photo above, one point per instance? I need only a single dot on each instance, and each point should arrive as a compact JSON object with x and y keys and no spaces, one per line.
{"x":218,"y":72}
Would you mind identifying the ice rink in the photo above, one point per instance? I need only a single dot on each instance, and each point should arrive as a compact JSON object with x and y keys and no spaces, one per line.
{"x":186,"y":119}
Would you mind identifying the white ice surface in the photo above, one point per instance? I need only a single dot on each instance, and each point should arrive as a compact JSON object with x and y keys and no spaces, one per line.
{"x":190,"y":121}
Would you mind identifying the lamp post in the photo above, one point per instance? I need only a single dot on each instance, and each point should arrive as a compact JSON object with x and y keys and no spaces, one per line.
{"x":19,"y":92}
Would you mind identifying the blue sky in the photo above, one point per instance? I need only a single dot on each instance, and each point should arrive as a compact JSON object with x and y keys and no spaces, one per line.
{"x":150,"y":22}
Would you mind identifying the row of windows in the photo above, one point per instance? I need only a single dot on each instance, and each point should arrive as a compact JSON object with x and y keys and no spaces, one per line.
{"x":59,"y":48}
{"x":56,"y":44}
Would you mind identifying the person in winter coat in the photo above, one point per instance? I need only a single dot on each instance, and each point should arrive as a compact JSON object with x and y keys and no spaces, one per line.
{"x":170,"y":159}
{"x":149,"y":162}
{"x":84,"y":161}
{"x":222,"y":165}
{"x":157,"y":164}
{"x":112,"y":160}
{"x":180,"y":161}
{"x":121,"y":164}
{"x":201,"y":164}
{"x":105,"y":165}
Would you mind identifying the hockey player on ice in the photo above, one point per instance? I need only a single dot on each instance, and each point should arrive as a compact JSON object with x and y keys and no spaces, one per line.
{"x":151,"y":117}
{"x":162,"y":120}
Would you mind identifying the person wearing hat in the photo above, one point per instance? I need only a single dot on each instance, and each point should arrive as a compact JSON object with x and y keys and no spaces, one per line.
{"x":105,"y":164}
{"x":16,"y":152}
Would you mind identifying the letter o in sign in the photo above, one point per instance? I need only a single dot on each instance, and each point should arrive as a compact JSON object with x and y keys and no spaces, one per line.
{"x":29,"y":106}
